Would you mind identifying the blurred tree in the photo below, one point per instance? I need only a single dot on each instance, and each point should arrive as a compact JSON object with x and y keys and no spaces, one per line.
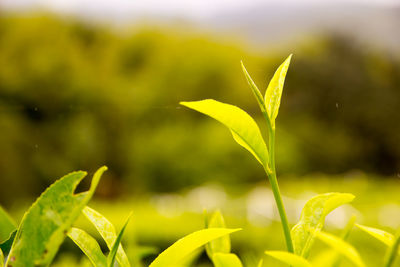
{"x":76,"y":96}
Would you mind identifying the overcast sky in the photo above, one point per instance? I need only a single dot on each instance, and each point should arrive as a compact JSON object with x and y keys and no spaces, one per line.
{"x":182,"y":8}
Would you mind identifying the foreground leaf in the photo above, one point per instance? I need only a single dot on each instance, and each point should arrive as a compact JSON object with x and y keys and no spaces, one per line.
{"x":107,"y":231}
{"x":89,"y":246}
{"x":243,"y":128}
{"x":383,"y":236}
{"x":222,"y":244}
{"x":183,"y":247}
{"x":226,"y":260}
{"x":289,"y":258}
{"x":7,"y":225}
{"x":313,"y":217}
{"x":47,"y":222}
{"x":342,"y":247}
{"x":1,"y":258}
{"x":274,"y":91}
{"x":115,"y":246}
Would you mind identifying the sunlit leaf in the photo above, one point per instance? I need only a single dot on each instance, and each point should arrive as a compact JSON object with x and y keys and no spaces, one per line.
{"x":47,"y":222}
{"x":7,"y":225}
{"x":89,"y":246}
{"x":342,"y":247}
{"x":274,"y":91}
{"x":289,"y":258}
{"x":222,"y":244}
{"x":313,"y":218}
{"x":115,"y":246}
{"x":226,"y":260}
{"x":180,"y":249}
{"x":107,"y":232}
{"x":260,"y":263}
{"x":243,"y":128}
{"x":383,"y":236}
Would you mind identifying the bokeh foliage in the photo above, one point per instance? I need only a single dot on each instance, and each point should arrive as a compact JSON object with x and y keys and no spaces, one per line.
{"x":76,"y":96}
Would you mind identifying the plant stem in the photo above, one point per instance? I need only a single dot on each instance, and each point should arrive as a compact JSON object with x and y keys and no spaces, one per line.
{"x":271,"y":173}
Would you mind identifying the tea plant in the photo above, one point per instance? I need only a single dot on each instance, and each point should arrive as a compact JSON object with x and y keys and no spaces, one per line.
{"x":51,"y":218}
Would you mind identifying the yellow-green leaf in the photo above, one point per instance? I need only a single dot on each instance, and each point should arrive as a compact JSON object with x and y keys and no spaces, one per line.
{"x":226,"y":260}
{"x":244,"y":129}
{"x":313,"y":217}
{"x":107,"y":232}
{"x":289,"y":258}
{"x":89,"y":246}
{"x":222,"y":244}
{"x":173,"y":255}
{"x":274,"y":91}
{"x":383,"y":236}
{"x":260,"y":263}
{"x":47,"y":222}
{"x":342,"y":247}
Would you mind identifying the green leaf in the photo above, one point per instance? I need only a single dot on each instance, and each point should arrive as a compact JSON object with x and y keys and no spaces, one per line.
{"x":222,"y":244}
{"x":47,"y":222}
{"x":313,"y":217}
{"x":274,"y":91}
{"x":260,"y":263}
{"x":7,"y":225}
{"x":289,"y":258}
{"x":342,"y":247}
{"x":383,"y":236}
{"x":226,"y":260}
{"x":254,"y":88}
{"x":183,"y":247}
{"x":116,"y":245}
{"x":243,"y":128}
{"x":89,"y":246}
{"x":107,"y":232}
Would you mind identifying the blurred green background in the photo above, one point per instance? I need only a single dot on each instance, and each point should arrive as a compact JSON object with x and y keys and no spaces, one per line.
{"x":78,"y":95}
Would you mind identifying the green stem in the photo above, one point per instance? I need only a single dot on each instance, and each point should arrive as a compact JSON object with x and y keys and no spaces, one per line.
{"x":271,"y":173}
{"x":393,"y":250}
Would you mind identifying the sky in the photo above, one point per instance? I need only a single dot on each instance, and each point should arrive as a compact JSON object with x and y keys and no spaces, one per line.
{"x":195,"y":9}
